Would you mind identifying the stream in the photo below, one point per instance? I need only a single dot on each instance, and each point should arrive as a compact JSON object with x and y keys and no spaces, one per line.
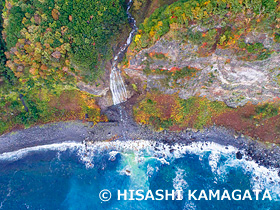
{"x":117,"y":86}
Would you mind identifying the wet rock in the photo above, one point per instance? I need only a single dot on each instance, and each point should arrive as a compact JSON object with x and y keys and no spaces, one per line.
{"x":134,"y":73}
{"x":128,"y":172}
{"x":239,"y":155}
{"x":172,"y":150}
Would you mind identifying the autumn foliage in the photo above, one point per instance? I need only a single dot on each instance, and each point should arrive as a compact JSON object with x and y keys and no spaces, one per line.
{"x":47,"y":47}
{"x":170,"y":112}
{"x":212,"y":24}
{"x":45,"y":107}
{"x":165,"y":111}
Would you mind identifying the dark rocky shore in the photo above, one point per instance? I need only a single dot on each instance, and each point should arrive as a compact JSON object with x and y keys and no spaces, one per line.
{"x":124,"y":128}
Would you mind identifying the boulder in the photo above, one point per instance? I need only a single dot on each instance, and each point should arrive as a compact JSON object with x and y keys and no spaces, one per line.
{"x":239,"y":155}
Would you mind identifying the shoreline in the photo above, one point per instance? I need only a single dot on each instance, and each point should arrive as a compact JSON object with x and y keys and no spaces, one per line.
{"x":77,"y":131}
{"x":43,"y":135}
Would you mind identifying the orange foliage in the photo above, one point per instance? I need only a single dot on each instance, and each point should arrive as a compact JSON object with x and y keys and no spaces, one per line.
{"x":173,"y":69}
{"x":74,"y":104}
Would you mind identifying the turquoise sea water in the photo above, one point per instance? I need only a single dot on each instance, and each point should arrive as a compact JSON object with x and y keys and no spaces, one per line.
{"x":71,"y":176}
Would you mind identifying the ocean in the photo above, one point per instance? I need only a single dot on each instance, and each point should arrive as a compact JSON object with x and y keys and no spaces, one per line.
{"x":138,"y":175}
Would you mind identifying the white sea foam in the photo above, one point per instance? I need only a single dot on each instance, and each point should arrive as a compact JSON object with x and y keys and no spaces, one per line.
{"x":15,"y":155}
{"x":214,"y":158}
{"x":125,"y":171}
{"x":150,"y":170}
{"x":262,"y":177}
{"x":179,"y":183}
{"x":113,"y":155}
{"x":189,"y":206}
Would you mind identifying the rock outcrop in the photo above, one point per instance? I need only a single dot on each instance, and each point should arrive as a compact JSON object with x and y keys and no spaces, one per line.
{"x":221,"y":76}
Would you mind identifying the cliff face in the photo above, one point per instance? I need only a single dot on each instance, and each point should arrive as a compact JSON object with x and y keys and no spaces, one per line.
{"x":223,"y":75}
{"x":204,"y":63}
{"x":248,"y":86}
{"x":234,"y":52}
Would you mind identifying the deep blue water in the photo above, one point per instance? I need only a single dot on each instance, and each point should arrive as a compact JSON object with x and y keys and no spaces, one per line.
{"x":68,"y":176}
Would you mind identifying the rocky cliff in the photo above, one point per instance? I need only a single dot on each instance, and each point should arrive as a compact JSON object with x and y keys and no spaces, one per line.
{"x":222,"y":76}
{"x":199,"y":64}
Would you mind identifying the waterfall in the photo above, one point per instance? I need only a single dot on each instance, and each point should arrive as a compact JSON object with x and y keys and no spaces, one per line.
{"x":117,"y":86}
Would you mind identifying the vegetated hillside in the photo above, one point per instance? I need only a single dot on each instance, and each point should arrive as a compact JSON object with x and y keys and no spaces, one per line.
{"x":47,"y":38}
{"x":7,"y":77}
{"x":207,"y":63}
{"x":144,"y":8}
{"x":168,"y":111}
{"x":219,"y":23}
{"x":50,"y":45}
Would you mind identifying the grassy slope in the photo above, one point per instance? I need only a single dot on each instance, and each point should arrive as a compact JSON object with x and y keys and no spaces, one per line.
{"x":171,"y":112}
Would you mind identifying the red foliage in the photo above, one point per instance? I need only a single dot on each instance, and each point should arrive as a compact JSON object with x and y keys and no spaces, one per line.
{"x":204,"y":44}
{"x":173,"y":69}
{"x":242,"y":120}
{"x":165,"y":104}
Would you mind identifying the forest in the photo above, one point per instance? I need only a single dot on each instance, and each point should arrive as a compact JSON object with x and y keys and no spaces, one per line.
{"x":46,"y":38}
{"x":46,"y":47}
{"x":212,"y":24}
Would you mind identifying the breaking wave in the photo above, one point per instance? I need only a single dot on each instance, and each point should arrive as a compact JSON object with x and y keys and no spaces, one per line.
{"x":144,"y":150}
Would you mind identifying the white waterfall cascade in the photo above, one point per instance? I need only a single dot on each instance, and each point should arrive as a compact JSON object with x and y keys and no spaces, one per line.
{"x":117,"y":86}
